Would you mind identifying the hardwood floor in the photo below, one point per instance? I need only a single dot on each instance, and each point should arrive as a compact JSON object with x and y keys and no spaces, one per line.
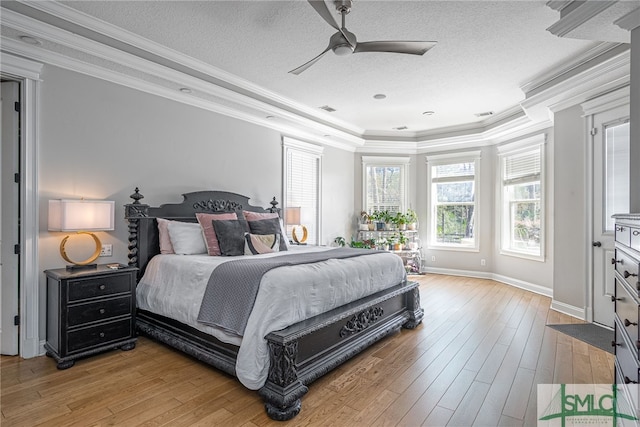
{"x":475,"y":360}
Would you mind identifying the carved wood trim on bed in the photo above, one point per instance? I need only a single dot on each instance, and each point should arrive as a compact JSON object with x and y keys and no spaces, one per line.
{"x":298,"y":354}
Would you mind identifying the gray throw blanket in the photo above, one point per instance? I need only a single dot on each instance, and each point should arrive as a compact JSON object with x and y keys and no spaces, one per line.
{"x":233,"y":285}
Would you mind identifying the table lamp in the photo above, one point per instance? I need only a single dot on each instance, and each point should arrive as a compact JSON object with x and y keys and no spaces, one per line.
{"x":83,"y":217}
{"x":292,"y":215}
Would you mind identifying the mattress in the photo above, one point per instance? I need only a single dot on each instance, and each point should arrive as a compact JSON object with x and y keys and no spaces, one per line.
{"x":174,"y":285}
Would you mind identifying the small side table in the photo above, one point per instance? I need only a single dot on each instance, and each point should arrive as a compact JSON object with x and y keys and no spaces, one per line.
{"x":89,"y":311}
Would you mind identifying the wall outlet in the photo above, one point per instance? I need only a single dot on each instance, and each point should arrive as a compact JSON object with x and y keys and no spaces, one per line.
{"x":483,"y":262}
{"x":107,"y":250}
{"x":433,"y":258}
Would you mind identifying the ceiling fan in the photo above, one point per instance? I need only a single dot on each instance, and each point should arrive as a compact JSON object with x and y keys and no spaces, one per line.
{"x":344,"y":42}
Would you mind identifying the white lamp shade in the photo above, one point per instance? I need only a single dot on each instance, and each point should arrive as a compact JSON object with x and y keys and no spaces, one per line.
{"x":81,"y":215}
{"x":292,"y":215}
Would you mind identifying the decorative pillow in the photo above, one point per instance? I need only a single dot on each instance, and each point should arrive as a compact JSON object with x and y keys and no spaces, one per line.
{"x":230,"y":234}
{"x":210,"y":238}
{"x":186,"y":238}
{"x":256,"y":216}
{"x":163,"y":233}
{"x":269,"y":226}
{"x":261,"y":243}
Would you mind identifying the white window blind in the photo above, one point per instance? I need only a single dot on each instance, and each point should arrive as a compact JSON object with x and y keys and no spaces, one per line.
{"x":384,"y":183}
{"x":302,"y":187}
{"x":522,"y":212}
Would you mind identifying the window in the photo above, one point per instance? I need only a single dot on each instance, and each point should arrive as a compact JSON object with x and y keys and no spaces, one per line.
{"x":302,"y":178}
{"x":384,"y":183}
{"x":453,"y":200}
{"x":522,"y":199}
{"x":617,"y":166}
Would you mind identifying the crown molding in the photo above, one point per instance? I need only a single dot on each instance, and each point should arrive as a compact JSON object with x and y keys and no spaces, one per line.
{"x":578,"y":16}
{"x":630,"y":21}
{"x":614,"y":99}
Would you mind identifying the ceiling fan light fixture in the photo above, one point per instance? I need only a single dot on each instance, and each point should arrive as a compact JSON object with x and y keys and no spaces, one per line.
{"x":429,"y":113}
{"x":343,"y":49}
{"x":379,"y":96}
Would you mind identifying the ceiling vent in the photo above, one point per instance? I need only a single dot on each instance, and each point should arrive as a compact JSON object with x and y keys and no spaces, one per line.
{"x":485,"y":114}
{"x":327,"y":108}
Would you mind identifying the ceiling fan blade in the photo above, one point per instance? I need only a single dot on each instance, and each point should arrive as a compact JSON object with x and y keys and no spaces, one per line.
{"x":410,"y":47}
{"x":321,"y":7}
{"x":306,"y":65}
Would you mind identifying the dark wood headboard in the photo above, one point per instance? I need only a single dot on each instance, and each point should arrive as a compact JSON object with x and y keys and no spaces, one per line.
{"x":143,"y":228}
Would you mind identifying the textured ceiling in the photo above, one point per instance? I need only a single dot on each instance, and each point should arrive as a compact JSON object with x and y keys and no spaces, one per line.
{"x":486,"y":51}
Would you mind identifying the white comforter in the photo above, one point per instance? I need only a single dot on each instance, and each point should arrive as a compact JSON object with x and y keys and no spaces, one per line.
{"x":174,"y":285}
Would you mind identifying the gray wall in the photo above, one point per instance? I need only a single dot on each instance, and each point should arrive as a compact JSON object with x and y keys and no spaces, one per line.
{"x":101,"y":140}
{"x":569,"y":275}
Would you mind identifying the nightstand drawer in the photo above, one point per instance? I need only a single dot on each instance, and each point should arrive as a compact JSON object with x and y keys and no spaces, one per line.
{"x":623,"y":234}
{"x":626,"y":357}
{"x":99,"y":310}
{"x":84,"y":338}
{"x":635,"y":238}
{"x":99,"y":286}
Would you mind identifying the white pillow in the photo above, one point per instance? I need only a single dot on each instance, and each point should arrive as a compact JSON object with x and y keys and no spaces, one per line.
{"x":186,"y":238}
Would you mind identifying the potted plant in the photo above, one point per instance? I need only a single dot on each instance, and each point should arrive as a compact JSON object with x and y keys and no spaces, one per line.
{"x":387,"y":218}
{"x":411,"y":218}
{"x":340,"y":241}
{"x":402,"y":239}
{"x":400,"y":220}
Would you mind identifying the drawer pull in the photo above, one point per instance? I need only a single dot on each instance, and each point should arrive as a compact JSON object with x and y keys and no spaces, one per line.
{"x":101,"y":311}
{"x":102,"y":287}
{"x":614,"y":299}
{"x":636,"y":232}
{"x":619,"y":228}
{"x":101,"y":334}
{"x":615,"y":261}
{"x":614,"y":344}
{"x":628,"y":380}
{"x":626,"y":274}
{"x":628,"y":323}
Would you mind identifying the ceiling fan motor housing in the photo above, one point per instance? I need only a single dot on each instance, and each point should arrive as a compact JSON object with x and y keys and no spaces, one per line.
{"x":340,"y":45}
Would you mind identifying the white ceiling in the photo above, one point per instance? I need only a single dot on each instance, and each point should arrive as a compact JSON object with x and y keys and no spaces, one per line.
{"x":486,"y":52}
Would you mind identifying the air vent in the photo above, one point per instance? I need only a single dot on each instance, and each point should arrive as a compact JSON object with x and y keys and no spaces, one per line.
{"x":327,"y":108}
{"x":485,"y":114}
{"x":401,"y":128}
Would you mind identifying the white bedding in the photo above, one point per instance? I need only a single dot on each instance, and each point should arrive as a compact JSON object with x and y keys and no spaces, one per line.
{"x":174,"y":285}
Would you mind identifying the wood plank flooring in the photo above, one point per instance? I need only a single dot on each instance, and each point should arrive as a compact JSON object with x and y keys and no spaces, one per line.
{"x":475,"y":361}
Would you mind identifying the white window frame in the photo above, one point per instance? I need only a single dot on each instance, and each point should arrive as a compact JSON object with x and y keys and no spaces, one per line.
{"x":314,"y":151}
{"x":375,"y":161}
{"x":504,"y":151}
{"x":444,"y":159}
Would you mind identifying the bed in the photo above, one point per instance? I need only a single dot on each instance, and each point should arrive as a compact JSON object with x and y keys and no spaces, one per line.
{"x":361,"y":300}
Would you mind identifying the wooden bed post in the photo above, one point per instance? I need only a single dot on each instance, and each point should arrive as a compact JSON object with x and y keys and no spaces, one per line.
{"x":283,"y":390}
{"x":133,"y":212}
{"x":416,"y":313}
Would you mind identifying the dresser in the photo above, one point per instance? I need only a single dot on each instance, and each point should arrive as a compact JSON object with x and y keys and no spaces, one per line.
{"x":627,"y":303}
{"x":89,"y":311}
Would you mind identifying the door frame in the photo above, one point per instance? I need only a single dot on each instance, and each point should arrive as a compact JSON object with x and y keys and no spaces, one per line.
{"x":609,"y":101}
{"x":29,"y":73}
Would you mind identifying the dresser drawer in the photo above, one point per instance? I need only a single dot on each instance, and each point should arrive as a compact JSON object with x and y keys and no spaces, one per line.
{"x":99,"y":286}
{"x":627,"y":310}
{"x":635,"y":238}
{"x":626,"y":357}
{"x":627,"y":266}
{"x":79,"y":314}
{"x":623,"y":234}
{"x":94,"y":336}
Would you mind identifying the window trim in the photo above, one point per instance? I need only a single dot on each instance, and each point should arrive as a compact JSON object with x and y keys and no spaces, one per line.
{"x":504,"y":223}
{"x":451,"y":158}
{"x":316,"y":151}
{"x":403,"y":162}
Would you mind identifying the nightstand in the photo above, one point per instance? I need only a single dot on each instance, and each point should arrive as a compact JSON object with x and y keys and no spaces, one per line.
{"x":89,"y":311}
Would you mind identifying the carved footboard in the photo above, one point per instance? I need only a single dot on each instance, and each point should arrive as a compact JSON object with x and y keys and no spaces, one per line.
{"x":308,"y":350}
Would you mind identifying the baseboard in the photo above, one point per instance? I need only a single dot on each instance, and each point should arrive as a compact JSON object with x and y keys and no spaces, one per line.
{"x":567,"y":309}
{"x":527,"y":286}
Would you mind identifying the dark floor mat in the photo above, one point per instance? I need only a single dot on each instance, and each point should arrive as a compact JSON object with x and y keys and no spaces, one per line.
{"x":590,"y":333}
